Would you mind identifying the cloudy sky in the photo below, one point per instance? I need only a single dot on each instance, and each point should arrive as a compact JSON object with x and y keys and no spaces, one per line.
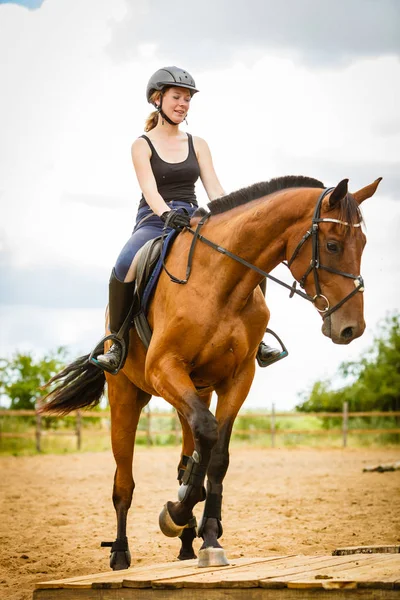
{"x":306,"y":87}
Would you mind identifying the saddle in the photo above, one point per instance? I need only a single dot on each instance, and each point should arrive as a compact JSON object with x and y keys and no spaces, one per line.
{"x":149,"y":266}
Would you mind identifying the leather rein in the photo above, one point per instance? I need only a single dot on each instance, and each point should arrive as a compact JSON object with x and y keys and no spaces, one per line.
{"x":314,"y":266}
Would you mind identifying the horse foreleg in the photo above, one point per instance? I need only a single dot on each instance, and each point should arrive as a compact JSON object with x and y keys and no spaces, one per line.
{"x":173,"y":383}
{"x":126,"y":403}
{"x":230,"y":398}
{"x":190,"y":532}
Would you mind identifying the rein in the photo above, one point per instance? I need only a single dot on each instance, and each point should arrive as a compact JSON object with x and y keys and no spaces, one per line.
{"x":313,"y":267}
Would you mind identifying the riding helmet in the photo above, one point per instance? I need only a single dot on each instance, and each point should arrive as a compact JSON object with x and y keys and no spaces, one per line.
{"x":170,"y":76}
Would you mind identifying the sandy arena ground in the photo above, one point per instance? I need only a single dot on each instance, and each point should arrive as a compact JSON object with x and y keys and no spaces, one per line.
{"x":57,"y":509}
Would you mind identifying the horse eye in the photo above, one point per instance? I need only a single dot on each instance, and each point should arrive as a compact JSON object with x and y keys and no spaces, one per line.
{"x":332,"y":247}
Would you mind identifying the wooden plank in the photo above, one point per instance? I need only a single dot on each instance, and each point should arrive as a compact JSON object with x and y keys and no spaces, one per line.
{"x":149,"y":578}
{"x":248,"y":577}
{"x":379,"y":571}
{"x":321,"y":432}
{"x":217,"y":594}
{"x":297,"y":574}
{"x":325,"y":585}
{"x":137,"y":576}
{"x":312,"y":568}
{"x":373,"y":575}
{"x":162,"y":578}
{"x":59,"y":583}
{"x":168,"y":414}
{"x":393,"y":549}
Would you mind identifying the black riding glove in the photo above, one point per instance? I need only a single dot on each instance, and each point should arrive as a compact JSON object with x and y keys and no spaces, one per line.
{"x":176,"y":219}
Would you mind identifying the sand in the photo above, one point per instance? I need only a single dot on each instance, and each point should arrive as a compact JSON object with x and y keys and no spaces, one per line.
{"x":55,"y":510}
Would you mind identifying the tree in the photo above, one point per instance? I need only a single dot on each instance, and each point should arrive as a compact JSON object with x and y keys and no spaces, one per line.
{"x":374,"y":379}
{"x":22,"y":375}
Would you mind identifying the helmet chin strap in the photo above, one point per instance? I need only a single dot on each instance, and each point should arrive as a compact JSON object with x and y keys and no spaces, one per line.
{"x":164,"y":116}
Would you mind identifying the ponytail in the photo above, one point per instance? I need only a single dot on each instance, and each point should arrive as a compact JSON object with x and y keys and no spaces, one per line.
{"x":151,"y":121}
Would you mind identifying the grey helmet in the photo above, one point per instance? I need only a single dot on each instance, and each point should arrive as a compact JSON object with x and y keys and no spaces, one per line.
{"x":170,"y":76}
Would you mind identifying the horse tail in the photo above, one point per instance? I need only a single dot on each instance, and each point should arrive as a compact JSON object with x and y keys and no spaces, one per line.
{"x":79,"y":385}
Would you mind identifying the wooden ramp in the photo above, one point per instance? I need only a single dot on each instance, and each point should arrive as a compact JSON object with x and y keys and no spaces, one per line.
{"x":290,"y":577}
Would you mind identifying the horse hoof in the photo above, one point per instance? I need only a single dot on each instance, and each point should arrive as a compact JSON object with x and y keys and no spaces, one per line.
{"x":167,"y":525}
{"x":187,"y":537}
{"x":212,"y":557}
{"x":186,"y":555}
{"x":120,"y":559}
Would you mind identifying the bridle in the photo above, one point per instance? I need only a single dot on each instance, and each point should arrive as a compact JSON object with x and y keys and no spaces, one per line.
{"x":315,"y":263}
{"x":314,"y":266}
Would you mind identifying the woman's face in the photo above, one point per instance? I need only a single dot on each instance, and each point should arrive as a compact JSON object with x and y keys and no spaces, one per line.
{"x":176,"y":102}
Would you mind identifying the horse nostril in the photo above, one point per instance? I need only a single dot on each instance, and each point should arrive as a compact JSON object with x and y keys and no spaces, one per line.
{"x":347,"y":333}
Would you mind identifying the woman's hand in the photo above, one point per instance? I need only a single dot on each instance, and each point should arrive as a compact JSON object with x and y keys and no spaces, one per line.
{"x":175,"y":219}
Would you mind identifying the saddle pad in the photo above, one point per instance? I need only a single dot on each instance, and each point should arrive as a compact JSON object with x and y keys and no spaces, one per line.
{"x":163,"y":248}
{"x":147,"y":258}
{"x":148,"y":272}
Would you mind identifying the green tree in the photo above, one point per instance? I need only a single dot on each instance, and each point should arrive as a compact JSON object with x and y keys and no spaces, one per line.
{"x":374,"y":379}
{"x":22,"y":375}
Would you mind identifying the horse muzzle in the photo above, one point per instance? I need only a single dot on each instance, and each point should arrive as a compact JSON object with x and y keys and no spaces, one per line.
{"x":342,"y":331}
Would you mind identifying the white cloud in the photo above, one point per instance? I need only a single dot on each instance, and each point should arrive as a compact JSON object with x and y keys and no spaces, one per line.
{"x":68,"y":115}
{"x":317,"y":32}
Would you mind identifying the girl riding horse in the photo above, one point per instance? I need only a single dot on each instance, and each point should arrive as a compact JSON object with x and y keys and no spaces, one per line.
{"x":206,"y":336}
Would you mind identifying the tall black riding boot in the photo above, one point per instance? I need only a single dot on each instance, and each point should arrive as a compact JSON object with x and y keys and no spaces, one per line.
{"x":119,"y":305}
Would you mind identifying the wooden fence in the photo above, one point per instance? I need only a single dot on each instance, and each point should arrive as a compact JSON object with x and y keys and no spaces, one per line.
{"x":174,"y":429}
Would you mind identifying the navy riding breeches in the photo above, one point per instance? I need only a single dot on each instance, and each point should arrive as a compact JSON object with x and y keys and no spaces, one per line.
{"x":147,"y":227}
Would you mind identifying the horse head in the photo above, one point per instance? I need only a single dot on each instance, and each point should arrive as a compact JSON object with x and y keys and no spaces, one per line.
{"x":328,"y":267}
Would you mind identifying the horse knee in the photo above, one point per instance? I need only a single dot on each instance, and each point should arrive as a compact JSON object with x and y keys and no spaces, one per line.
{"x":205,"y":430}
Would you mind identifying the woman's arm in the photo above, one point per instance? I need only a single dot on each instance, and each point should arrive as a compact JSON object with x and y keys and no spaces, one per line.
{"x":208,"y":175}
{"x":141,"y":154}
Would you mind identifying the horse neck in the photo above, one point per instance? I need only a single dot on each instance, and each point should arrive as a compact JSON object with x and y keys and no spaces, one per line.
{"x":259,"y":232}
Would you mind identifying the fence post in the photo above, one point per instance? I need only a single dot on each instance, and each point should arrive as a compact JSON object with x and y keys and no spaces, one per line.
{"x":148,"y":426}
{"x":38,"y":432}
{"x":345,"y":425}
{"x":273,"y":426}
{"x":78,"y":429}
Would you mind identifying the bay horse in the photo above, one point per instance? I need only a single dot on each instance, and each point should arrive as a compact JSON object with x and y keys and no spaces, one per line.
{"x":206,"y":334}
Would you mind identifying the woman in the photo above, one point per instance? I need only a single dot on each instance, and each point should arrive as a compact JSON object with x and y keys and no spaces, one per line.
{"x":167,"y":163}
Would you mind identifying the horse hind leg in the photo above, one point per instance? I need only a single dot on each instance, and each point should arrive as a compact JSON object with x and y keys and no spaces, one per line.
{"x":126,"y":403}
{"x":189,"y":533}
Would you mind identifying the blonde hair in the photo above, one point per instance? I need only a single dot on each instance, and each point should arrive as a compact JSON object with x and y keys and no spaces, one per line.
{"x":152,"y":119}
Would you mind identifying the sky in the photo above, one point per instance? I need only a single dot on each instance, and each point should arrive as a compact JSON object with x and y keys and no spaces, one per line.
{"x":296,"y":87}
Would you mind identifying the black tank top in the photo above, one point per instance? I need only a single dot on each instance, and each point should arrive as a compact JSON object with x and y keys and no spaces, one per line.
{"x":175,"y":181}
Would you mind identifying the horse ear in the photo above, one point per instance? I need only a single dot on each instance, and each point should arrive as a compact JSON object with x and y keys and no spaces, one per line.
{"x":338,"y":193}
{"x":367,"y":191}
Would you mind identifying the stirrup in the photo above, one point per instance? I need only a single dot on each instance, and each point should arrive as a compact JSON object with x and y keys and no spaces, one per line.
{"x":99,"y":348}
{"x":283,"y":354}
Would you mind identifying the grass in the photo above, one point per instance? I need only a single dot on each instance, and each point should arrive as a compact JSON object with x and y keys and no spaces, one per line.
{"x":59,"y":434}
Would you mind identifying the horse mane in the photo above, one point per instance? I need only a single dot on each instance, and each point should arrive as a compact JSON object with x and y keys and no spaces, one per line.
{"x":258,"y":190}
{"x":349,"y":209}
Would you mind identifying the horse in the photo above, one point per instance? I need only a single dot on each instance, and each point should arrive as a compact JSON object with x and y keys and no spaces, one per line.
{"x":205,"y":336}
